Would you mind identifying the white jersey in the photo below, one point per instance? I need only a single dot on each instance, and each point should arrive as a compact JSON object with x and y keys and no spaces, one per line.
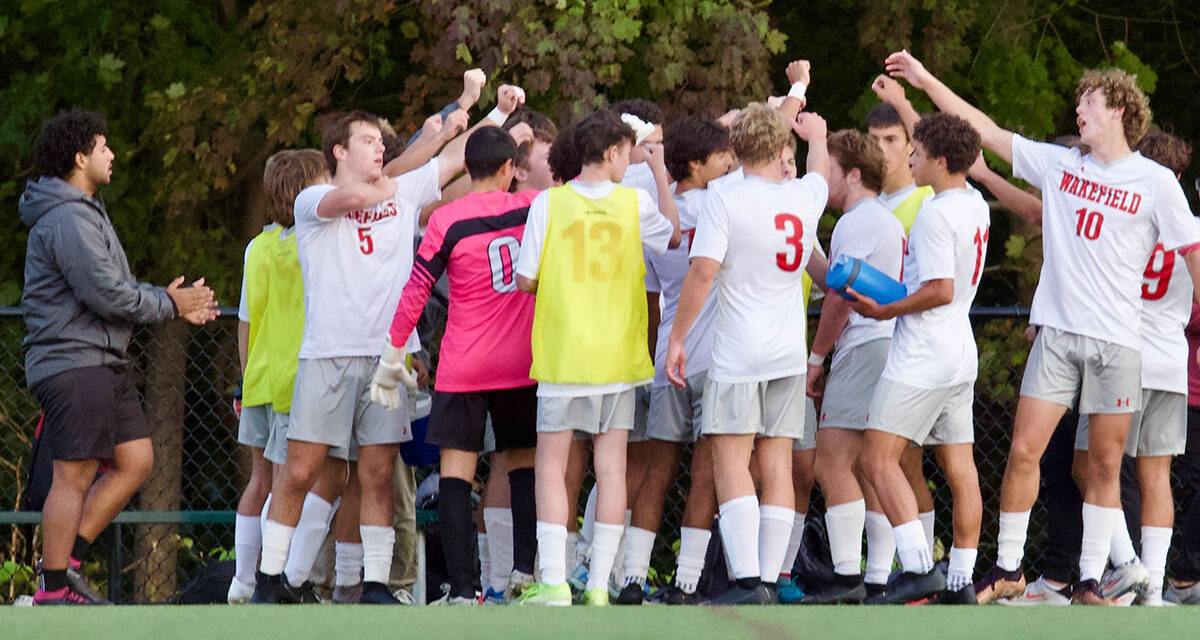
{"x":669,"y":270}
{"x":733,"y":177}
{"x":868,"y":231}
{"x":897,"y":197}
{"x":641,"y":176}
{"x":762,"y":232}
{"x":355,"y":266}
{"x":935,"y":348}
{"x":1100,"y":223}
{"x":1166,"y":309}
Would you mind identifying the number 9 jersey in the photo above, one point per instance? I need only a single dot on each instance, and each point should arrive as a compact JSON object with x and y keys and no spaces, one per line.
{"x":1100,"y":224}
{"x":762,"y":232}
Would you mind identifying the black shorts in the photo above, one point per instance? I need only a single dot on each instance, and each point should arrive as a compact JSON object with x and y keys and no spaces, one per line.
{"x":458,"y":420}
{"x":89,"y":411}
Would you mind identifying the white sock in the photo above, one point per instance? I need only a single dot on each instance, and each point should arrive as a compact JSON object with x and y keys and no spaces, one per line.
{"x":845,"y":524}
{"x":1010,"y":541}
{"x":276,"y":538}
{"x":1121,"y":547}
{"x":962,"y":568}
{"x":739,"y":534}
{"x":693,"y":547}
{"x":793,"y":548}
{"x":1098,"y":525}
{"x":1155,"y":542}
{"x":247,"y":541}
{"x":618,"y":568}
{"x":498,"y":522}
{"x":605,"y":540}
{"x":307,"y":540}
{"x":485,"y":560}
{"x":881,"y":547}
{"x":774,"y":531}
{"x":927,"y":519}
{"x":589,"y":517}
{"x":639,"y":544}
{"x":915,"y":555}
{"x":552,"y":558}
{"x":377,"y":543}
{"x":347,"y":563}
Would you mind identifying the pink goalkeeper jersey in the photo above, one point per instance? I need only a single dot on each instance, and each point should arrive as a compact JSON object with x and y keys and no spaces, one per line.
{"x":475,"y":240}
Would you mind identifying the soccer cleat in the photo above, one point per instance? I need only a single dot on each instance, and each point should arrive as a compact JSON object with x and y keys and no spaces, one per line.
{"x":1129,"y":577}
{"x":63,"y":596}
{"x":874,"y":589}
{"x":1039,"y":592}
{"x":1088,"y":593}
{"x":965,"y":595}
{"x":268,"y":589}
{"x":1183,"y":595}
{"x":376,"y":593}
{"x":546,"y":595}
{"x":911,"y":587}
{"x":518,"y":581}
{"x":239,"y":592}
{"x":347,"y":593}
{"x":789,"y":591}
{"x":741,"y":596}
{"x":998,"y":583}
{"x":673,"y":595}
{"x":404,"y":596}
{"x":302,"y":594}
{"x":843,"y":590}
{"x":633,"y":593}
{"x":1151,"y":597}
{"x":448,"y":600}
{"x":78,"y":582}
{"x":493,"y":597}
{"x":596,"y":598}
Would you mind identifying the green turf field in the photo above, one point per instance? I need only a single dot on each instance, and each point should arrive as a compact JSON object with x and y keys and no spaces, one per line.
{"x":650,"y":622}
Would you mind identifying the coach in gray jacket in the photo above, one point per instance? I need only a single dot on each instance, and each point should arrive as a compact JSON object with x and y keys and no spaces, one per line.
{"x":80,"y":303}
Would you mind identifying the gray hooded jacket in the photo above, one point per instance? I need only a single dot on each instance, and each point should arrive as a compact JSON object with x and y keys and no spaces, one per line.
{"x":80,"y":299}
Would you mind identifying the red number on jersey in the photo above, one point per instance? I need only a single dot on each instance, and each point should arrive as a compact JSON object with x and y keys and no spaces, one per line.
{"x":1158,"y":278}
{"x":903,"y":254}
{"x":690,"y":234}
{"x":365,"y":244}
{"x":1089,"y":223}
{"x":981,"y":239}
{"x":794,"y":238}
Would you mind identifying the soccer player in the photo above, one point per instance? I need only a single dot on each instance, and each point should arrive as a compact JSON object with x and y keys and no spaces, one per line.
{"x":926,"y":390}
{"x":754,"y":239}
{"x":355,"y":240}
{"x":1102,"y":215}
{"x":81,"y":303}
{"x":582,"y":255}
{"x":869,"y":232}
{"x":485,"y":355}
{"x":696,"y":151}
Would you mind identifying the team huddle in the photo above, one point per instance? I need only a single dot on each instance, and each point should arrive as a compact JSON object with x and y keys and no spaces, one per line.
{"x":628,"y":286}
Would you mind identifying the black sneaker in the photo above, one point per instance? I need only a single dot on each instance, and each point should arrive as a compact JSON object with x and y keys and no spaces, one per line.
{"x":302,"y":594}
{"x":675,"y":596}
{"x":874,"y":589}
{"x":376,"y":593}
{"x":843,"y":590}
{"x":268,"y":589}
{"x":740,"y":595}
{"x":911,"y":587}
{"x":965,"y":595}
{"x":632,"y":593}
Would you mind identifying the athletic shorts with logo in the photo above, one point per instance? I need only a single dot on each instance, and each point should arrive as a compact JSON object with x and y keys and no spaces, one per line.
{"x":1063,"y":367}
{"x":1159,"y":428}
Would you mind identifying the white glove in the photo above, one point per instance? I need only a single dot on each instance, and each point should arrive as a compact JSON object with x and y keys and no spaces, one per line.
{"x":391,"y":370}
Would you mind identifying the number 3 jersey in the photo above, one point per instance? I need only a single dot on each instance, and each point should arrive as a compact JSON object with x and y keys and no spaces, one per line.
{"x":475,"y":241}
{"x":762,"y":232}
{"x":355,"y":266}
{"x":1100,"y":223}
{"x":935,"y":348}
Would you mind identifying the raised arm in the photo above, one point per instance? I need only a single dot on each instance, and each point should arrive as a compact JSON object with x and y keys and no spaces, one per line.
{"x":353,"y":197}
{"x":798,"y":73}
{"x":666,"y":199}
{"x":450,"y":160}
{"x":902,"y":64}
{"x":812,"y":129}
{"x":891,"y":92}
{"x":473,"y":81}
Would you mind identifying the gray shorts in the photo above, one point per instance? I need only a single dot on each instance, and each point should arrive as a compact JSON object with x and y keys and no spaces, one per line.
{"x":586,"y":414}
{"x":276,"y":448}
{"x":809,"y":440}
{"x":641,"y":412}
{"x":1159,"y":428}
{"x":254,"y":426}
{"x":852,"y":378}
{"x":675,"y":414}
{"x":1105,"y":377}
{"x":928,"y":417}
{"x":769,"y":408}
{"x":332,"y":405}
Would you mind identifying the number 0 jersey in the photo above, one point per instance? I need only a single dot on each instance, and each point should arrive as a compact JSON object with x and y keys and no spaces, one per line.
{"x":475,"y":241}
{"x":355,"y":266}
{"x":762,"y":232}
{"x":1100,"y":223}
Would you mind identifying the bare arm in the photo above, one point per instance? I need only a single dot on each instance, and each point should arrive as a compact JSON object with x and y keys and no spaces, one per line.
{"x":451,"y":192}
{"x":797,"y":71}
{"x":835,"y":313}
{"x":932,"y":294}
{"x":902,"y":64}
{"x":666,"y":199}
{"x":352,"y":197}
{"x":812,"y":129}
{"x":418,"y":152}
{"x":243,"y":339}
{"x":528,"y":285}
{"x":1192,"y":260}
{"x":818,"y":267}
{"x":890,"y":92}
{"x":696,"y":285}
{"x":1011,"y":197}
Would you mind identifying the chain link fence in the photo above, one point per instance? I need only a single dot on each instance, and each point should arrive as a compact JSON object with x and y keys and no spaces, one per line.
{"x":187,"y":374}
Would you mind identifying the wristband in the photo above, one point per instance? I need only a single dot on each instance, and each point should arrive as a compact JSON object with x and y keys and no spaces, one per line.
{"x":797,"y":91}
{"x":816,"y":360}
{"x":497,"y":116}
